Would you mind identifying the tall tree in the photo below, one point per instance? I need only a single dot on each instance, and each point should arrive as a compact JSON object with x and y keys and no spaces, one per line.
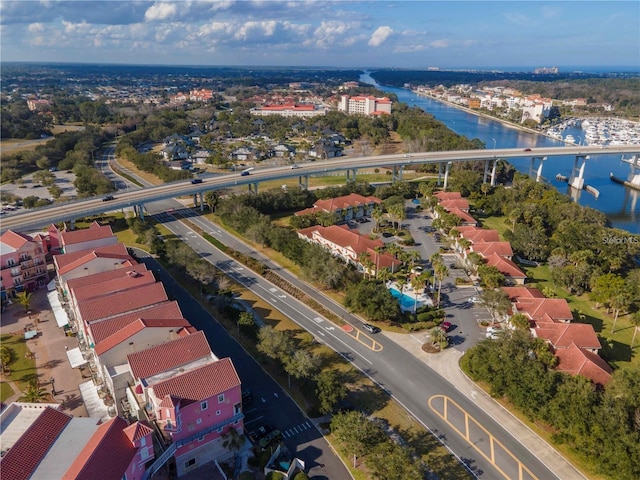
{"x":330,"y":390}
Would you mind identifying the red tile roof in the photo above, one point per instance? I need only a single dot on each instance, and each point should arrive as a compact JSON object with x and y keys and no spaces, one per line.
{"x":106,"y":456}
{"x":333,"y":204}
{"x":201,"y":383}
{"x":536,"y":308}
{"x":21,"y":461}
{"x":576,"y":361}
{"x":341,"y":235}
{"x":69,"y":261}
{"x":489,"y":248}
{"x":135,"y":327}
{"x":136,"y":431}
{"x":169,"y":355}
{"x":561,"y":335}
{"x":447,"y":195}
{"x":466,"y":218}
{"x":14,"y":239}
{"x":477,"y":234}
{"x":94,"y":232}
{"x":125,"y":282}
{"x":515,"y":293}
{"x":104,"y":276}
{"x":461,"y":203}
{"x":165,"y":310}
{"x":128,"y":301}
{"x":505,"y":266}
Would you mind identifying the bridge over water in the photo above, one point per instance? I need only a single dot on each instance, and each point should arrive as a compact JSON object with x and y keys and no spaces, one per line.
{"x":138,"y":198}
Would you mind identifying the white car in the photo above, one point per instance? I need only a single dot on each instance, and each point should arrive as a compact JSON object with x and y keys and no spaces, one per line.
{"x":294,"y":166}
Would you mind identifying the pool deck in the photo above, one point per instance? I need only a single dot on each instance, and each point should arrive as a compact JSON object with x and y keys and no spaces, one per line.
{"x":421,"y":299}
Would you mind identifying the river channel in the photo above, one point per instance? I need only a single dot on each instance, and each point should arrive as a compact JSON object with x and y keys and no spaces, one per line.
{"x":620,"y":204}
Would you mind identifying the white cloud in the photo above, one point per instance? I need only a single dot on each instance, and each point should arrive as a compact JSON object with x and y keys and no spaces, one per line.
{"x":380,"y":35}
{"x":439,"y":43}
{"x":35,"y":28}
{"x":160,"y":11}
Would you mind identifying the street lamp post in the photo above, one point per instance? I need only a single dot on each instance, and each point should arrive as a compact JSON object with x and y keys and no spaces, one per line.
{"x":53,"y":386}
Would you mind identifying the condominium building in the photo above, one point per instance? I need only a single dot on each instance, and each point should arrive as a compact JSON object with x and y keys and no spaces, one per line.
{"x":362,"y":105}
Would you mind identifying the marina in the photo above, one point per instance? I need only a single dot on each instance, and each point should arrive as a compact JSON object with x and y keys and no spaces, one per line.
{"x":619,"y":203}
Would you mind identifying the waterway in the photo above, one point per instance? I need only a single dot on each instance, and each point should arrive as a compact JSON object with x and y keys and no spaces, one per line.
{"x":620,"y":204}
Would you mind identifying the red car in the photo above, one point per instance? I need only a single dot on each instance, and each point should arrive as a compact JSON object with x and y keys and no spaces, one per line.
{"x":446,"y":326}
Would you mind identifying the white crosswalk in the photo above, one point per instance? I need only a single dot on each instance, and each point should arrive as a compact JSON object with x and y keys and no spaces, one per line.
{"x":297,"y":429}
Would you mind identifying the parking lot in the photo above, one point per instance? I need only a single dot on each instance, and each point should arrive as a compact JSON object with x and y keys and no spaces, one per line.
{"x":28,"y":188}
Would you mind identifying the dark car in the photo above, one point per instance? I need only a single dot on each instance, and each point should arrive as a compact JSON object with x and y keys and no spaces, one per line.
{"x":269,"y":438}
{"x":107,"y":198}
{"x":527,"y":150}
{"x":196,"y":180}
{"x":370,"y":328}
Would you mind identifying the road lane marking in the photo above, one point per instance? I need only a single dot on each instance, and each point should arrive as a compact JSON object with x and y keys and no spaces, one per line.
{"x":470,"y":421}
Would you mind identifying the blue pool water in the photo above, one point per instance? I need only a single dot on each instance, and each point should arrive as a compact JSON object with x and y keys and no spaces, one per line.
{"x":406,"y":302}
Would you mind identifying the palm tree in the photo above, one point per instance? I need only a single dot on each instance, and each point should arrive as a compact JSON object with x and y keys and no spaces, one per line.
{"x":417,"y":283}
{"x":438,"y":336}
{"x":401,"y":282}
{"x":33,"y":393}
{"x":435,"y":258}
{"x":376,"y":215}
{"x":618,"y":302}
{"x":367,"y":264}
{"x":440,"y":271}
{"x":519,"y":321}
{"x":24,"y":299}
{"x":384,"y":274}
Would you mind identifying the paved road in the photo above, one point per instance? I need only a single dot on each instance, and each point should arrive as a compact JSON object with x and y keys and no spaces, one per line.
{"x":271,"y":405}
{"x":417,"y":387}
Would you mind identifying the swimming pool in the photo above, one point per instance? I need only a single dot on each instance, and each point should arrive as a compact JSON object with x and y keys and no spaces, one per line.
{"x":406,"y":302}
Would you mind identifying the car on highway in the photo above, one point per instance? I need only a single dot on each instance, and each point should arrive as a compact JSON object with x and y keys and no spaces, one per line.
{"x":107,"y":198}
{"x":527,"y":150}
{"x":196,"y":180}
{"x":294,"y":166}
{"x":370,"y":328}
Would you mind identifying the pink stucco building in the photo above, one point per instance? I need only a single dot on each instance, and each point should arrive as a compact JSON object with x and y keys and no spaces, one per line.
{"x":22,"y":263}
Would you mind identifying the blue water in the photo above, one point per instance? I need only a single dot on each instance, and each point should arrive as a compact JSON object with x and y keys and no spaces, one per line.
{"x":406,"y":302}
{"x":620,"y":204}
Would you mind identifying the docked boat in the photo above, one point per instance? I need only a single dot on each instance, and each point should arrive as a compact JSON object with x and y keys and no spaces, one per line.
{"x":570,"y":139}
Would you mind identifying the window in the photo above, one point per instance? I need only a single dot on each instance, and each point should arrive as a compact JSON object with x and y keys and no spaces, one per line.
{"x":10,"y":262}
{"x":143,"y":441}
{"x":190,"y":463}
{"x":199,"y":421}
{"x":204,"y":406}
{"x":144,"y":453}
{"x":218,"y":412}
{"x":221,"y":398}
{"x":168,"y":413}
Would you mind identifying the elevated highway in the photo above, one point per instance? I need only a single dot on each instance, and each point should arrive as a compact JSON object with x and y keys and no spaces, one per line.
{"x":137,"y":198}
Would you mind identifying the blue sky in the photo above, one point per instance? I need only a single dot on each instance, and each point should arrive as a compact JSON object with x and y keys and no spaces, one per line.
{"x":409,"y":34}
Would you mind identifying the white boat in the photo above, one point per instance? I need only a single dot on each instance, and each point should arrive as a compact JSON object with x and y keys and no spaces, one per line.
{"x":570,"y":139}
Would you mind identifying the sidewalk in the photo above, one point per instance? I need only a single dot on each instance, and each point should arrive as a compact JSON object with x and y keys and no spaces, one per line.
{"x":50,"y":350}
{"x":446,"y":365}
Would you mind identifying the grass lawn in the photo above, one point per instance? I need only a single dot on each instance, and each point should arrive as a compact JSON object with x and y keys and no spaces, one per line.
{"x":5,"y":391}
{"x":23,"y":369}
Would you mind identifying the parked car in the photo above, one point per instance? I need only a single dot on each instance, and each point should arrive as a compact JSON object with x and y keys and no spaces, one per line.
{"x":370,"y":328}
{"x":446,"y":326}
{"x":269,"y":438}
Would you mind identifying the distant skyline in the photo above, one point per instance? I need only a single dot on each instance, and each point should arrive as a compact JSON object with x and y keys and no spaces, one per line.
{"x":345,"y":34}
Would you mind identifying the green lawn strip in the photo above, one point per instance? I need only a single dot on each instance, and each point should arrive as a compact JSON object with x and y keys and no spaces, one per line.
{"x":5,"y":391}
{"x":23,"y":369}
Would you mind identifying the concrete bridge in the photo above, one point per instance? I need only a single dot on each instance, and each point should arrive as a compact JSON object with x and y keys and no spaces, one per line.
{"x":138,"y":198}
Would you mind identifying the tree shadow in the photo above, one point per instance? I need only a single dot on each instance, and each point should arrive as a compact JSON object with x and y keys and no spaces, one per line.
{"x":614,"y":351}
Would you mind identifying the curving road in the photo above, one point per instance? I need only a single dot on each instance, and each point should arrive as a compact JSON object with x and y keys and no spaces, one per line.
{"x":70,"y":211}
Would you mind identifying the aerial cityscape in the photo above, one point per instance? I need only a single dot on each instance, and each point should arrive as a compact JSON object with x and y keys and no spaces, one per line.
{"x":319,"y":240}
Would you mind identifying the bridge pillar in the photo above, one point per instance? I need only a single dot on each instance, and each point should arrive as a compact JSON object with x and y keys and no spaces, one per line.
{"x":493,"y":172}
{"x":195,"y":200}
{"x":201,"y":195}
{"x":486,"y":171}
{"x":253,"y":187}
{"x":577,"y":174}
{"x":538,"y":171}
{"x":446,"y":176}
{"x":140,"y":211}
{"x":439,"y":173}
{"x":396,"y":174}
{"x":303,"y":181}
